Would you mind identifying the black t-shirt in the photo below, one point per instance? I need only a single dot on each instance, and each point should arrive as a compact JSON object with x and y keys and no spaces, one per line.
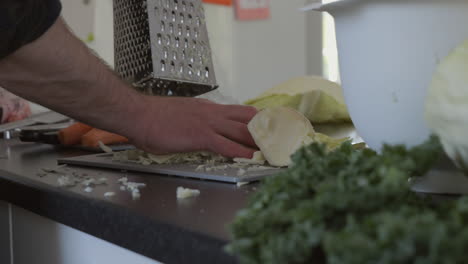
{"x":23,"y":21}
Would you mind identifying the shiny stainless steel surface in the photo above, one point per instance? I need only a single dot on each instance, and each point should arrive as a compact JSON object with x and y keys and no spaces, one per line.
{"x":42,"y":118}
{"x":162,"y":46}
{"x":216,"y":172}
{"x":443,"y":178}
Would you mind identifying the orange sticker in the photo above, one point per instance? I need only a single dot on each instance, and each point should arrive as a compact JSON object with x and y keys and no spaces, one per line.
{"x":219,"y":2}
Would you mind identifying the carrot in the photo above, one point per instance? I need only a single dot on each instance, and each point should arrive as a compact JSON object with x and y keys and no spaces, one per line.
{"x":92,"y":138}
{"x":72,"y":134}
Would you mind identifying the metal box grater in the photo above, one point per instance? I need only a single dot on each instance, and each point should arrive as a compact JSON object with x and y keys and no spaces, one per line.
{"x":162,"y":46}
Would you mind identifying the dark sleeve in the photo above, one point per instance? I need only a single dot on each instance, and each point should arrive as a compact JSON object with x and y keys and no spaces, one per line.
{"x":23,"y":21}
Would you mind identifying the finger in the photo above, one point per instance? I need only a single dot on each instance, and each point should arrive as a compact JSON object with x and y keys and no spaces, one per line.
{"x":236,"y":131}
{"x":206,"y":101}
{"x":240,"y":113}
{"x":229,"y":148}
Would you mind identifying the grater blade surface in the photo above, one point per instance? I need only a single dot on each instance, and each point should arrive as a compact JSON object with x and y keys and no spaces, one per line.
{"x":162,"y":46}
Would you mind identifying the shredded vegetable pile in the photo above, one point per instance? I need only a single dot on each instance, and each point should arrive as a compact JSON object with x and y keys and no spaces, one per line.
{"x":351,"y":206}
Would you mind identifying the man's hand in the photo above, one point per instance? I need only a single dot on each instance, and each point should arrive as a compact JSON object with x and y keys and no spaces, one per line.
{"x":188,"y":124}
{"x":58,"y":71}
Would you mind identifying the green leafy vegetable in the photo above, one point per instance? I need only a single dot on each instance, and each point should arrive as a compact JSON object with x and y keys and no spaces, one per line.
{"x":351,"y":206}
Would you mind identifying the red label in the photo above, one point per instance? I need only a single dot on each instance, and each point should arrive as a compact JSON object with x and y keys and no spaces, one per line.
{"x":219,"y":2}
{"x":252,"y":9}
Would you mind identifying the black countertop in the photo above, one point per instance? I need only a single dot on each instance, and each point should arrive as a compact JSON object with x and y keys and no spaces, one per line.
{"x":157,"y":225}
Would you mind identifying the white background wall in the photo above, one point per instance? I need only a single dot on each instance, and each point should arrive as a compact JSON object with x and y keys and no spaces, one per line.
{"x":80,"y":15}
{"x":314,"y":42}
{"x":252,"y":56}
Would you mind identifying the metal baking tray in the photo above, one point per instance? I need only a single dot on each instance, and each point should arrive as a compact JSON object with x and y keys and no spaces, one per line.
{"x":229,"y":175}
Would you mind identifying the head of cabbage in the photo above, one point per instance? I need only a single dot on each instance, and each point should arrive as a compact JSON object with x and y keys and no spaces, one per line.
{"x":446,"y":109}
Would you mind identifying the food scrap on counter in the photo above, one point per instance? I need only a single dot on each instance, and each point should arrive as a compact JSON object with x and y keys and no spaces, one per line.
{"x":184,"y":193}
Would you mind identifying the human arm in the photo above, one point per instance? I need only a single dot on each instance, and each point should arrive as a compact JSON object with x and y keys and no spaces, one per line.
{"x":58,"y":71}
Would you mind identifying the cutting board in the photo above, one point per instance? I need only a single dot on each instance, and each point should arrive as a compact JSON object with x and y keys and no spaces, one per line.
{"x":229,"y":175}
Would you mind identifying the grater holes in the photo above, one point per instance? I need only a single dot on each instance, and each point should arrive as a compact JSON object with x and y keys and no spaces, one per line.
{"x":179,"y":30}
{"x":182,"y":18}
{"x":181,"y":68}
{"x":171,"y":28}
{"x":132,"y":41}
{"x":168,"y":40}
{"x":159,"y":36}
{"x":139,"y":59}
{"x":200,"y":58}
{"x":173,"y":67}
{"x":190,"y":70}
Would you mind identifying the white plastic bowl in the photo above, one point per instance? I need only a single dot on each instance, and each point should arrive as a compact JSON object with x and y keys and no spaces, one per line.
{"x":388,"y":51}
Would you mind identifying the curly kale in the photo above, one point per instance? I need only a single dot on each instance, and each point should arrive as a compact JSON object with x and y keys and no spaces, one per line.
{"x":351,"y":206}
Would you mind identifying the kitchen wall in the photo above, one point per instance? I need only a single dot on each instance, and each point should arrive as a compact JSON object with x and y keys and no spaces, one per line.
{"x":315,"y":32}
{"x":80,"y":15}
{"x":253,"y":56}
{"x":249,"y":57}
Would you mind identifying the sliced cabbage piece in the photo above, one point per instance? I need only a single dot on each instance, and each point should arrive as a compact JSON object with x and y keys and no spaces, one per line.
{"x":145,"y":158}
{"x":330,"y":143}
{"x":320,"y":100}
{"x":279,"y":132}
{"x":257,"y":159}
{"x":184,"y":193}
